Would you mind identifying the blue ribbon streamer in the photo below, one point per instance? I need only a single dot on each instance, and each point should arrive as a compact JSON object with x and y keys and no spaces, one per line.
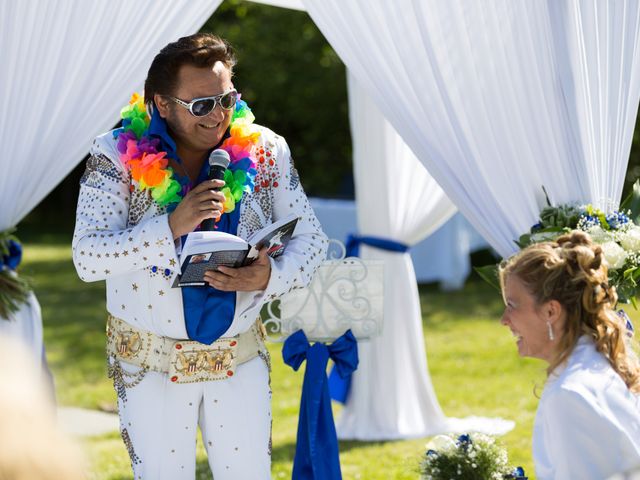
{"x":13,"y":259}
{"x":354,"y":241}
{"x":316,"y":456}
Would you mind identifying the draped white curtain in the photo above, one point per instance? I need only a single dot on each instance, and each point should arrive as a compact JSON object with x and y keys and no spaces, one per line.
{"x":67,"y":68}
{"x":290,"y":4}
{"x":499,"y":98}
{"x":391,"y":393}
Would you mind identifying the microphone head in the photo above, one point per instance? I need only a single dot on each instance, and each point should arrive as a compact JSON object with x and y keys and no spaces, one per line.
{"x":219,"y":157}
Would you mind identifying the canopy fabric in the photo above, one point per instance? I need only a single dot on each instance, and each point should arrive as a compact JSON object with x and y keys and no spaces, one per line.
{"x":290,"y":4}
{"x":391,"y":392}
{"x":68,"y":68}
{"x":498,"y":102}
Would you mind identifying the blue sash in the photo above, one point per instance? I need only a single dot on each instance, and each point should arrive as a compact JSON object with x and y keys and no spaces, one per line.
{"x":354,"y":241}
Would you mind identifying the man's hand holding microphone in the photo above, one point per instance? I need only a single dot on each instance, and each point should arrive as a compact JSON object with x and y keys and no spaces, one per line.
{"x":203,"y":205}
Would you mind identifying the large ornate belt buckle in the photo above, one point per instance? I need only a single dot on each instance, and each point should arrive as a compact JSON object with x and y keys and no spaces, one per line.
{"x":197,"y":362}
{"x":123,"y":341}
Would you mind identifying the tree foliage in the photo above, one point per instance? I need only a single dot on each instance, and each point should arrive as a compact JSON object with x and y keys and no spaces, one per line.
{"x":295,"y":84}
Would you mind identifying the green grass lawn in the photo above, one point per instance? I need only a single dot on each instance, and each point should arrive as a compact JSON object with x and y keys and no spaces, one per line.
{"x":472,"y":360}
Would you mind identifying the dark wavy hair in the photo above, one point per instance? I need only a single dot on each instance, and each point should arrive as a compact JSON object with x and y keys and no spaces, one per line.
{"x":200,"y":50}
{"x":573,"y":271}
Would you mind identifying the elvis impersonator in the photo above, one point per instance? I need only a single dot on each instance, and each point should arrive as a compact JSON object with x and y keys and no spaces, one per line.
{"x":193,"y":356}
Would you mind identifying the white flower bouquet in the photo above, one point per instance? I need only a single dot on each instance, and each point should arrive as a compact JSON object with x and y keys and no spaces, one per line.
{"x":467,"y":457}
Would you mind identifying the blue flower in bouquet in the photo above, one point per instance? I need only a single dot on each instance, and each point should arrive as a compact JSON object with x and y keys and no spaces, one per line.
{"x":464,"y":441}
{"x":516,"y":474}
{"x":617,"y":220}
{"x":587,"y":222}
{"x":13,"y":255}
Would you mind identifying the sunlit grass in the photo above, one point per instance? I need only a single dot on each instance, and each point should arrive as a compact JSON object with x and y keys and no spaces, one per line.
{"x":472,"y":361}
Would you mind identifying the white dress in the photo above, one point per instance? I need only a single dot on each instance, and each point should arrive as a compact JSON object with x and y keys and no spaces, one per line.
{"x":588,"y":422}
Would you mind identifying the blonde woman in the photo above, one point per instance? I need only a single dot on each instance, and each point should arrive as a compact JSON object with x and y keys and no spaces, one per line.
{"x":559,"y":306}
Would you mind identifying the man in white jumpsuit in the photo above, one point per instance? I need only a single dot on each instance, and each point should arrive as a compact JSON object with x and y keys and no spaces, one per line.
{"x":168,"y":383}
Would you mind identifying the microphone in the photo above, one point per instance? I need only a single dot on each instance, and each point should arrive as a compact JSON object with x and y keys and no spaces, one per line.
{"x":218,"y":163}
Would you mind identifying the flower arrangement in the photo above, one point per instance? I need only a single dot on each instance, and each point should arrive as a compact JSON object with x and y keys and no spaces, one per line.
{"x":467,"y":457}
{"x":14,"y":290}
{"x":615,"y":231}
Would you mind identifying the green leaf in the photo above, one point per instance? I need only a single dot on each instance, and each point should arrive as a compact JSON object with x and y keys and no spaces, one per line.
{"x":524,"y":240}
{"x":603,"y":221}
{"x":489,"y":273}
{"x":632,"y":202}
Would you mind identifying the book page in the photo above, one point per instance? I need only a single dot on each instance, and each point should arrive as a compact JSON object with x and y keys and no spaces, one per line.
{"x":273,"y":237}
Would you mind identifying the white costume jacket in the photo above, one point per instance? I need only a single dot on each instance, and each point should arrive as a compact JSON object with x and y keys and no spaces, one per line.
{"x":588,"y":422}
{"x":123,"y":236}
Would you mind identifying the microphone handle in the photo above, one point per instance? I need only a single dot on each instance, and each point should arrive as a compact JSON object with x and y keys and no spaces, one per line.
{"x":215,"y":173}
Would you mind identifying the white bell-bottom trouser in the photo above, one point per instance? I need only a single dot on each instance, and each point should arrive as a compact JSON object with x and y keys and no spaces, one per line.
{"x":159,"y":420}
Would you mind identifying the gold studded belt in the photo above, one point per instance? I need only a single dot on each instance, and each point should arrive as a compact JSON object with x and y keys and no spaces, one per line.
{"x":185,"y":361}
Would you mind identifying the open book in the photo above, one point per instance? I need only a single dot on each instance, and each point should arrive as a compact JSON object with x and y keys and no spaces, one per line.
{"x":204,"y":251}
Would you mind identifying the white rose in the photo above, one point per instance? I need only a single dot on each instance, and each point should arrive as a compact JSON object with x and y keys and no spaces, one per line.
{"x":614,"y":254}
{"x":598,"y":235}
{"x":441,"y":443}
{"x":630,"y":239}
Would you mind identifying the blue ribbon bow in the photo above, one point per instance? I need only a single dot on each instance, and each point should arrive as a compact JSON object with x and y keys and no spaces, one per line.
{"x":13,"y":259}
{"x":316,"y":455}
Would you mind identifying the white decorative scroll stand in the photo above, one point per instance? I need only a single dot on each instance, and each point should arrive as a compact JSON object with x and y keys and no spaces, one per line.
{"x":346,"y":293}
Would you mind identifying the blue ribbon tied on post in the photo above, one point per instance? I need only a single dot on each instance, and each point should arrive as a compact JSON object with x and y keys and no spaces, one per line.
{"x":316,"y":456}
{"x":354,"y":241}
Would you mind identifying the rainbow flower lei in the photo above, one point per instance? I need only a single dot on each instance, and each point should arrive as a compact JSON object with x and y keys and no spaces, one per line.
{"x":140,"y":154}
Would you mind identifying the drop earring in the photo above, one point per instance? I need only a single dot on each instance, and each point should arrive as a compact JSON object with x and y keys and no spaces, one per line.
{"x":550,"y":331}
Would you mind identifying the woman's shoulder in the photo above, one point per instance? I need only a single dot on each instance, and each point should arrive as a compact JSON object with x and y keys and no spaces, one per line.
{"x":587,"y":381}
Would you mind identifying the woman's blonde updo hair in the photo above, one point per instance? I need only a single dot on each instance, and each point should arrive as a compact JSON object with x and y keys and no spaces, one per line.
{"x":573,"y":271}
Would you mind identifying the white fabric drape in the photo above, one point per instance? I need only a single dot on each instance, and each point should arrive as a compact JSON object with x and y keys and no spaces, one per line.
{"x":391,"y":393}
{"x":26,"y":326}
{"x":68,"y":68}
{"x":290,"y":4}
{"x":500,"y":98}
